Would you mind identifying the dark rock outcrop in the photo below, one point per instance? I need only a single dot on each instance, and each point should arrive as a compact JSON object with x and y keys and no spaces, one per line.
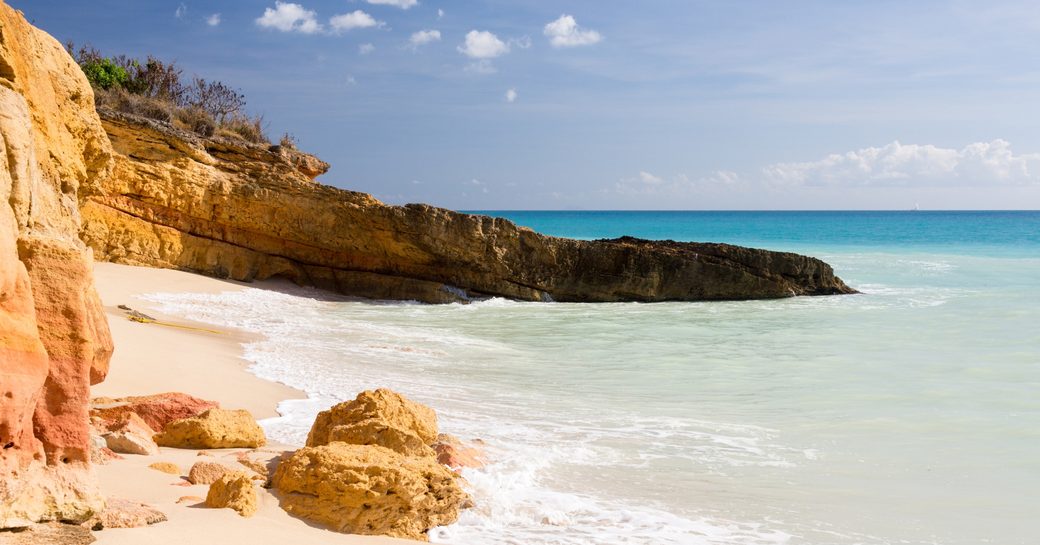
{"x":241,"y":211}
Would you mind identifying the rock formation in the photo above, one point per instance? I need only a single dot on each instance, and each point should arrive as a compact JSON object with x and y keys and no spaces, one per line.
{"x":120,"y":513}
{"x":54,"y":339}
{"x":242,"y":211}
{"x":378,"y":417}
{"x":368,"y":469}
{"x":368,"y":490}
{"x":156,"y":410}
{"x":214,"y":428}
{"x":233,"y":491}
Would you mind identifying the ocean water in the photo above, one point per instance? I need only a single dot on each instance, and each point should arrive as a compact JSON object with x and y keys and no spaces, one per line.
{"x":909,"y":414}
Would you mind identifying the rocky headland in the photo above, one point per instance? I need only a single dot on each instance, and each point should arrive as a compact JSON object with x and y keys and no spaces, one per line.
{"x":244,"y":211}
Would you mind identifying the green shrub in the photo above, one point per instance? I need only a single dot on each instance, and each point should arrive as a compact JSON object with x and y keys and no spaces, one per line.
{"x":103,"y":73}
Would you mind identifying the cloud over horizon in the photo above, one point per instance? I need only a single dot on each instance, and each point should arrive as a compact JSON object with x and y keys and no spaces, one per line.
{"x":897,"y":164}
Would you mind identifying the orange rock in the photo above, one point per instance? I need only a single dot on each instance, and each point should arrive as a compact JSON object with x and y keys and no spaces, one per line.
{"x":208,"y":472}
{"x":130,"y":435}
{"x":386,"y":408}
{"x":234,"y":491}
{"x":166,"y":467}
{"x":214,"y":428}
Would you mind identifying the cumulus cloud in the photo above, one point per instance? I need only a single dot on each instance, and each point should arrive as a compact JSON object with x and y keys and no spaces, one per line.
{"x":290,"y":17}
{"x":213,"y":20}
{"x":899,"y":164}
{"x":511,"y":95}
{"x":403,"y":4}
{"x":181,"y":11}
{"x":352,"y":20}
{"x":424,"y":37}
{"x":483,"y":45}
{"x":565,"y":32}
{"x":365,"y":49}
{"x":440,"y":13}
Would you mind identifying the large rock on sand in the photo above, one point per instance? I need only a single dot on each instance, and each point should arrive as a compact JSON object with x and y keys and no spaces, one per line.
{"x":368,"y":490}
{"x":156,"y":410}
{"x":233,"y":491}
{"x":54,"y":339}
{"x":214,"y":428}
{"x":378,"y":417}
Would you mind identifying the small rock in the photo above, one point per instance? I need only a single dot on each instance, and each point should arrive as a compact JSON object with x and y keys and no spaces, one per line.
{"x":53,"y":533}
{"x":166,"y":467}
{"x":207,"y":472}
{"x":190,"y":499}
{"x":391,"y":408}
{"x":120,"y":513}
{"x":214,"y":428}
{"x":233,"y":491}
{"x":129,"y":434}
{"x":454,"y":453}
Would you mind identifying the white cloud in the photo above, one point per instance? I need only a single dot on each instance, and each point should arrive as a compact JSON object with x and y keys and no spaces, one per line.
{"x":565,"y":32}
{"x":483,"y":45}
{"x":511,"y":95}
{"x":365,"y":49}
{"x":213,"y":20}
{"x":646,"y":183}
{"x":440,"y":13}
{"x":181,"y":11}
{"x":351,"y":81}
{"x":897,"y":164}
{"x":289,"y":17}
{"x":649,"y":179}
{"x":403,"y":4}
{"x":355,"y":19}
{"x":424,"y":37}
{"x":523,"y":42}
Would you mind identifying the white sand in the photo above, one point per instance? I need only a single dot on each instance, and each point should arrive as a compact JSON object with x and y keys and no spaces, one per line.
{"x":152,"y":358}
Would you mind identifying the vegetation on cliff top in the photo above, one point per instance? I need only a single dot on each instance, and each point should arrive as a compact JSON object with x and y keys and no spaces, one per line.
{"x":158,"y":90}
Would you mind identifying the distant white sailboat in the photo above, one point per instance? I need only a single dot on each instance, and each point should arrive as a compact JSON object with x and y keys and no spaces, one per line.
{"x":917,"y":207}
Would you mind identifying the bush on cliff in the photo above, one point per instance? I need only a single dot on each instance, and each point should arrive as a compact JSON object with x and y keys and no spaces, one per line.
{"x":157,"y":90}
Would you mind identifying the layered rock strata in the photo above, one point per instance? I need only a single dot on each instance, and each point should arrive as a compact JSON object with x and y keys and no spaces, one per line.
{"x":235,"y":210}
{"x":54,"y":339}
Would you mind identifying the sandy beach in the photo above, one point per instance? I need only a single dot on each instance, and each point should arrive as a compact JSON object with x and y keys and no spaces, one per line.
{"x":206,"y":362}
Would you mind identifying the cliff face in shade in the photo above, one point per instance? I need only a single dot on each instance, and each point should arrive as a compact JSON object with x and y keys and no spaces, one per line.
{"x":54,"y":339}
{"x":240,"y":211}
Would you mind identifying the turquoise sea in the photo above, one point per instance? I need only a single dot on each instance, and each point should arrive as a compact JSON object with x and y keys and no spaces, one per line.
{"x":909,"y":414}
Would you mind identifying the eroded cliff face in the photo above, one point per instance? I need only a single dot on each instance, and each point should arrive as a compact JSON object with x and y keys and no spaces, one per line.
{"x":54,"y":339}
{"x":245,"y":212}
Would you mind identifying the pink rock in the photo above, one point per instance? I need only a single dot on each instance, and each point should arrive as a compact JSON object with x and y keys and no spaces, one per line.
{"x":156,"y":410}
{"x":454,"y":453}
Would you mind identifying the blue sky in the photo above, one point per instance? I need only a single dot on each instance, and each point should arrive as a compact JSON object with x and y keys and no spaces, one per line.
{"x":658,"y":104}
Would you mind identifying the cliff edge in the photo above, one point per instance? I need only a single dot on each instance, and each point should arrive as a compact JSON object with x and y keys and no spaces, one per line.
{"x":244,"y":211}
{"x":54,"y":339}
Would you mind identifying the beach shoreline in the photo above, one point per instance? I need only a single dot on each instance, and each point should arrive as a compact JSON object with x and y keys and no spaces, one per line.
{"x":178,"y":355}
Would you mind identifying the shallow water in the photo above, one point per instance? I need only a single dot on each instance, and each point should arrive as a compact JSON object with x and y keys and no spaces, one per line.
{"x":908,"y":414}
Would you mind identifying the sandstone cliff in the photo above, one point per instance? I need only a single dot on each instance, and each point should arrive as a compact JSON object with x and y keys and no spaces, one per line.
{"x":54,"y":339}
{"x":241,"y":211}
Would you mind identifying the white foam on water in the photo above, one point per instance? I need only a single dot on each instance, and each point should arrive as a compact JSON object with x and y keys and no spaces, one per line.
{"x":524,"y":496}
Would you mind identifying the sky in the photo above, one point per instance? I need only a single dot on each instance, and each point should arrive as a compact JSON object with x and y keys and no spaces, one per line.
{"x":607,"y":104}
